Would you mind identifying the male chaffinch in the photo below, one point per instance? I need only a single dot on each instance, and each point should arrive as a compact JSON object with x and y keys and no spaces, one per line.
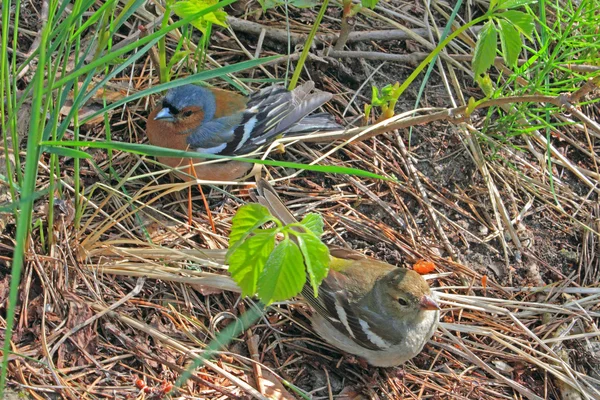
{"x":221,"y":122}
{"x":369,"y":308}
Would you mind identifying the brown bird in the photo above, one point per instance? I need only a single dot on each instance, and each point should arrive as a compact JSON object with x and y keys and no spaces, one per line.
{"x":369,"y":308}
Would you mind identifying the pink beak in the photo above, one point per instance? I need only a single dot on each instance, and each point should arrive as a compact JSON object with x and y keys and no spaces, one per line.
{"x":428,"y":303}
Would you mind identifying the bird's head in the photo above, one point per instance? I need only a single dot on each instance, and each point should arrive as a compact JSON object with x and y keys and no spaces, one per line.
{"x":183,"y":109}
{"x":407,"y":293}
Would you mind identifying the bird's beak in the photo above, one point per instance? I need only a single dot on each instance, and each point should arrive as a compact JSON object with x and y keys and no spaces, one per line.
{"x":427,"y":303}
{"x":164,"y":114}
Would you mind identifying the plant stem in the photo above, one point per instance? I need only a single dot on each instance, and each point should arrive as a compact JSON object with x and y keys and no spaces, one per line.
{"x":162,"y":48}
{"x":307,"y":45}
{"x":346,"y":27}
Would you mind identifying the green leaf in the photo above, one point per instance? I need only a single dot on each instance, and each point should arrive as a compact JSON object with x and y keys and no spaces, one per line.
{"x":510,"y":42}
{"x":387,"y":91}
{"x":485,"y":83}
{"x":506,"y":4}
{"x":485,"y":50}
{"x":187,"y":8}
{"x":375,"y":100}
{"x":178,"y":56}
{"x":522,"y":21}
{"x":472,"y":103}
{"x":369,"y":3}
{"x":247,"y":261}
{"x":368,"y":108}
{"x":267,"y":4}
{"x":316,"y":258}
{"x":248,"y":218}
{"x":303,"y":3}
{"x":283,"y":275}
{"x":63,"y":151}
{"x":314,"y":223}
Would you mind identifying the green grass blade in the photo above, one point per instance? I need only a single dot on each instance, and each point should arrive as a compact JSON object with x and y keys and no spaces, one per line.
{"x":24,"y":214}
{"x":199,"y":77}
{"x":145,"y":149}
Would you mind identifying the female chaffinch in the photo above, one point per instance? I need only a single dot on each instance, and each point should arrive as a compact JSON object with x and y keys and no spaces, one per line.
{"x":369,"y":308}
{"x":221,"y":122}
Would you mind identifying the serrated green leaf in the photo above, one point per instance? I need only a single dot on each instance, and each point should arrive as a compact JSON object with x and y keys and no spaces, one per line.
{"x":485,"y":49}
{"x":523,"y":22}
{"x":316,"y":258}
{"x":283,"y":275}
{"x":510,"y":42}
{"x":247,"y":261}
{"x":217,"y":18}
{"x":248,"y":218}
{"x":187,"y":8}
{"x":314,"y":223}
{"x":514,"y":3}
{"x":369,"y":3}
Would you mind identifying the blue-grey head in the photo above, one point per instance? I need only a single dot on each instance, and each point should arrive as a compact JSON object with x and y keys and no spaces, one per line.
{"x":187,"y":102}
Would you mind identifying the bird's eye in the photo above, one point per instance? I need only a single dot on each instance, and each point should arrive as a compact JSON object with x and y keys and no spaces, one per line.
{"x":402,"y":302}
{"x":187,"y":113}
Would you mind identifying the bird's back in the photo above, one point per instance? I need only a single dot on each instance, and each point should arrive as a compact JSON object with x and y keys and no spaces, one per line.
{"x":275,"y":111}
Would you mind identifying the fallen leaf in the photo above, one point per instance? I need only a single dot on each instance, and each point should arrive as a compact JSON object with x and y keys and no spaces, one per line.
{"x":349,"y":393}
{"x":273,"y":389}
{"x":423,"y":267}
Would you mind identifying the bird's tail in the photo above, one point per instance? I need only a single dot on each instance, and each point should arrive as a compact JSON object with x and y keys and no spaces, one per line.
{"x":304,"y":102}
{"x":313,"y":123}
{"x":286,"y":113}
{"x":266,"y":195}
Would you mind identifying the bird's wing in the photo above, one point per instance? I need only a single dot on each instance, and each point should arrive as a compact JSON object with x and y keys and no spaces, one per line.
{"x":312,"y":123}
{"x":216,"y":135}
{"x":337,"y":305}
{"x":269,"y":112}
{"x":266,"y":195}
{"x":276,"y":111}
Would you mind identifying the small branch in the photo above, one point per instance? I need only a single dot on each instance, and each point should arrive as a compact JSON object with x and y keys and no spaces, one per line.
{"x":280,"y":35}
{"x":347,"y":25}
{"x":411,"y":59}
{"x":588,"y":87}
{"x":454,"y":115}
